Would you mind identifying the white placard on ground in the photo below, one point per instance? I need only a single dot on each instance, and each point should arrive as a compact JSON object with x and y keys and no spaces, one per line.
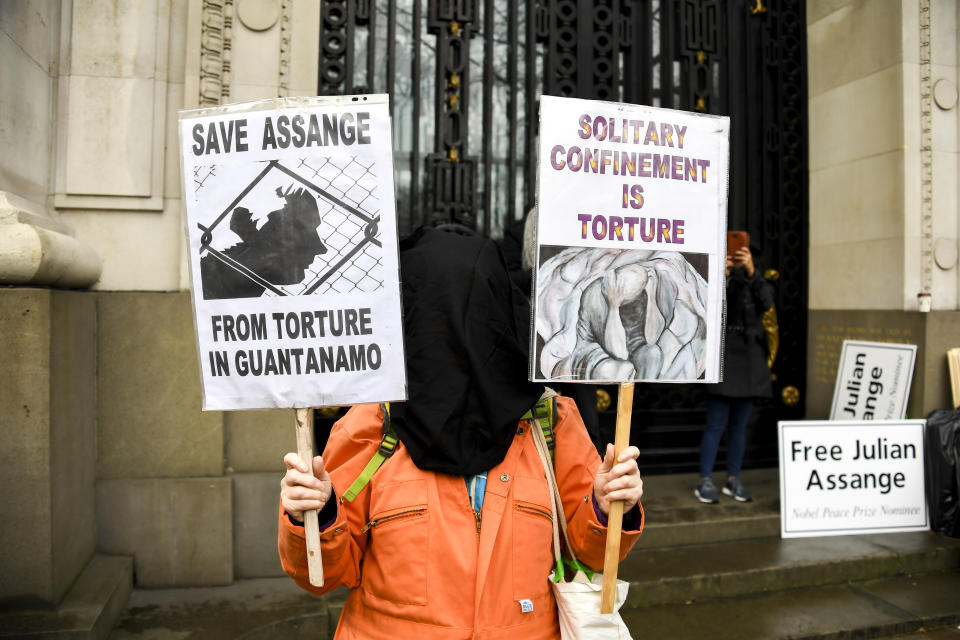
{"x":851,"y":477}
{"x":631,"y":243}
{"x":291,"y":222}
{"x":873,"y":381}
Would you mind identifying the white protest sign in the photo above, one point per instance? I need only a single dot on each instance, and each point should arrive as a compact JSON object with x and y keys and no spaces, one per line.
{"x":292,"y":233}
{"x":850,"y":477}
{"x":632,"y":210}
{"x":873,"y":381}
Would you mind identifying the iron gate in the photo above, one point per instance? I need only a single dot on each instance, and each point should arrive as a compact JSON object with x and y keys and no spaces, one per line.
{"x":465,"y":77}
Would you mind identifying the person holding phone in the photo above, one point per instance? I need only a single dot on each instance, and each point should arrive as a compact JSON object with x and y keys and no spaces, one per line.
{"x":746,"y":375}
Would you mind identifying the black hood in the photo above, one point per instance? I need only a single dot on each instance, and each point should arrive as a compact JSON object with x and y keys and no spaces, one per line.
{"x":466,"y":329}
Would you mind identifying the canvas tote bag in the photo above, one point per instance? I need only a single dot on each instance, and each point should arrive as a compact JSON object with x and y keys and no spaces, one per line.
{"x":578,"y":601}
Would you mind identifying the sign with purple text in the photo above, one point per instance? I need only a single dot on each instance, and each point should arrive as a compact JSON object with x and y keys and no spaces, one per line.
{"x":631,"y":243}
{"x":292,"y":242}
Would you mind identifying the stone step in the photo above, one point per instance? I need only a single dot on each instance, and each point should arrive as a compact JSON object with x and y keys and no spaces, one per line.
{"x":676,"y":575}
{"x":674,"y":517}
{"x":251,"y":609}
{"x":944,"y":632}
{"x":89,"y":610}
{"x":862,"y":609}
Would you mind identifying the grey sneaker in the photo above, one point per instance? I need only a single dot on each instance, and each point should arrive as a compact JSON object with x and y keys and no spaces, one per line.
{"x":737,"y":491}
{"x":706,"y":492}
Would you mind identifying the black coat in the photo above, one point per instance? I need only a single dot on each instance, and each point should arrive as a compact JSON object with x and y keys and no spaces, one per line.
{"x":745,"y":370}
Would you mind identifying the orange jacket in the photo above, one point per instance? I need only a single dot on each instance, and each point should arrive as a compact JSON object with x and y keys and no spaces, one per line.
{"x":419,"y":562}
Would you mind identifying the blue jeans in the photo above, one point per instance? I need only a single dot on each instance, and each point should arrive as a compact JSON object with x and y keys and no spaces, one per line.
{"x":718,"y":411}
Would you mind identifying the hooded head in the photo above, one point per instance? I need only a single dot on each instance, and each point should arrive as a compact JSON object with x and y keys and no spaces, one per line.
{"x":466,"y":329}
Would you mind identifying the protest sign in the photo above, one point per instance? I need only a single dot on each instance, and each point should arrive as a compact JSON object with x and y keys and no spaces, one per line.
{"x":631,"y":233}
{"x":293,"y":252}
{"x":292,"y":240}
{"x":629,"y":266}
{"x":850,"y":477}
{"x":873,"y":381}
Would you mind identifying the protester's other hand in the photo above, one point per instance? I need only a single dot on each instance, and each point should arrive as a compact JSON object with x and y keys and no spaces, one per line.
{"x":618,"y":480}
{"x":743,"y":258}
{"x":300,"y":491}
{"x":730,"y":264}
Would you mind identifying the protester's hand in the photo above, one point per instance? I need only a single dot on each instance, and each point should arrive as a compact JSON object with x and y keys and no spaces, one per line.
{"x":618,"y":481}
{"x":300,"y":491}
{"x":743,"y":258}
{"x":730,"y":265}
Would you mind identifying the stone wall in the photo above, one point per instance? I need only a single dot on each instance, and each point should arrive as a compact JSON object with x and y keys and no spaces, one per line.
{"x":105,"y":408}
{"x":933,"y":333}
{"x":104,"y":446}
{"x":191,"y":495}
{"x":883,"y":153}
{"x":30,"y":50}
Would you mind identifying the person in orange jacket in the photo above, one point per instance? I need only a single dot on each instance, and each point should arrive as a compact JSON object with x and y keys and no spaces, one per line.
{"x":451,"y":537}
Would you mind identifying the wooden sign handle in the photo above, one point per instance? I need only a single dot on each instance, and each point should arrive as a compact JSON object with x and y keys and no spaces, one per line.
{"x":611,"y":558}
{"x":311,"y":525}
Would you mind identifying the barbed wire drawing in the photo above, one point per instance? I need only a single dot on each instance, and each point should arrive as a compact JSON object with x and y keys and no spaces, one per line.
{"x":306,"y":230}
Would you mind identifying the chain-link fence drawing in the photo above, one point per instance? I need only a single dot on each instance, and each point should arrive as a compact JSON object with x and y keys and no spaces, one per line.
{"x":325,"y":237}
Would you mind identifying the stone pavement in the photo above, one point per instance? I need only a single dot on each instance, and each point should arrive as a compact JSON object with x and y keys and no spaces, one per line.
{"x":275,"y":608}
{"x":256,"y":609}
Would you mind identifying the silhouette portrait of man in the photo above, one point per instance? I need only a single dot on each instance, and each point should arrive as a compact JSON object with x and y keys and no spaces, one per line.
{"x":278,"y":253}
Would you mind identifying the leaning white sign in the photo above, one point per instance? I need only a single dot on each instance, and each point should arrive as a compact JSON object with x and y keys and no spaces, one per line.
{"x":293,"y":252}
{"x":851,"y":477}
{"x":873,"y":381}
{"x":631,"y":233}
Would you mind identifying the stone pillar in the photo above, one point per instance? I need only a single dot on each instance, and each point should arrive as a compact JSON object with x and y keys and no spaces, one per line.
{"x":884,"y":213}
{"x":47,"y":441}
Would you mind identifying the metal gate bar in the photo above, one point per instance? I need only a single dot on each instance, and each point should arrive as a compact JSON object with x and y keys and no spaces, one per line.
{"x":415,"y":151}
{"x":487,"y":113}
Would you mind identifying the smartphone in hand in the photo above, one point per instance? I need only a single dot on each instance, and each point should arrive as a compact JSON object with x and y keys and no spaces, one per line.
{"x":736,"y":240}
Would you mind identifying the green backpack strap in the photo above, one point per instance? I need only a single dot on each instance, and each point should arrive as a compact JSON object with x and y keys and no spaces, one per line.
{"x":388,"y":444}
{"x":545,"y":413}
